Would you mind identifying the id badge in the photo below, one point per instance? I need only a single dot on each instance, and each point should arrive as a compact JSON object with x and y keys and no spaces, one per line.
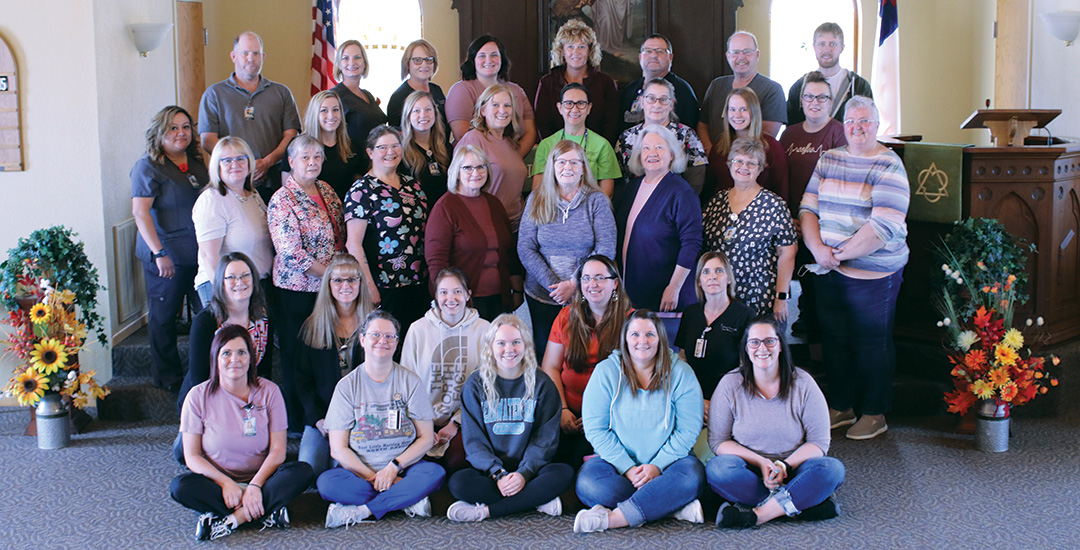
{"x":434,"y":169}
{"x":729,"y":234}
{"x":699,"y":348}
{"x":249,"y":112}
{"x":393,"y":420}
{"x":249,"y":426}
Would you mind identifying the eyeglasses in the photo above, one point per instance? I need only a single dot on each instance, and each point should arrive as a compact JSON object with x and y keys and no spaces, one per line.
{"x":574,"y":163}
{"x":376,"y":336}
{"x":818,"y":98}
{"x":229,"y":161}
{"x":344,"y":280}
{"x":664,"y":100}
{"x":385,"y":148}
{"x":860,"y":122}
{"x":739,"y":163}
{"x":572,"y":104}
{"x":233,"y":279}
{"x":655,"y":51}
{"x":769,"y":342}
{"x":422,"y":60}
{"x":474,"y":169}
{"x":744,"y":51}
{"x":586,"y":279}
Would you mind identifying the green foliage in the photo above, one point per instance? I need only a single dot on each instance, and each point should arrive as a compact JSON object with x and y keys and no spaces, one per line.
{"x":54,"y":254}
{"x":984,"y":253}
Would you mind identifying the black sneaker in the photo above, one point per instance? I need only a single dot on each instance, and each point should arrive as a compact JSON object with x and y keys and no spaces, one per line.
{"x":278,"y":519}
{"x":828,"y":509}
{"x":220,"y":528}
{"x":730,"y":517}
{"x":202,"y":529}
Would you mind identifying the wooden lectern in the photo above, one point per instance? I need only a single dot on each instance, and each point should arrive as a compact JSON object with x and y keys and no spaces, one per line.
{"x":1009,"y":127}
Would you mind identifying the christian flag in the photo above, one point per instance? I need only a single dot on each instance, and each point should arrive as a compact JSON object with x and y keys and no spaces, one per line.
{"x":885,"y":76}
{"x":322,"y":46}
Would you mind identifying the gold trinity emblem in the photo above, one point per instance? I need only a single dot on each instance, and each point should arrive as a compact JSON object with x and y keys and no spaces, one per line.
{"x":932,"y":176}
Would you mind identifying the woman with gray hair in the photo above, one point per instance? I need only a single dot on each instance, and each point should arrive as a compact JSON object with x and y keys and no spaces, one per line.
{"x":575,"y":57}
{"x":853,"y":221}
{"x":659,"y":225}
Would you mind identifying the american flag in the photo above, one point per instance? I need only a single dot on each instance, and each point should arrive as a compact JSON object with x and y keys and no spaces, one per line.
{"x":322,"y":45}
{"x":885,"y":75}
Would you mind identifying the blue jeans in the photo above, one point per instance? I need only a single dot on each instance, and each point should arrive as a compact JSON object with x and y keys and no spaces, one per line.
{"x":315,"y":450}
{"x":857,"y":318}
{"x":679,"y":484}
{"x":810,"y":484}
{"x":418,"y":481}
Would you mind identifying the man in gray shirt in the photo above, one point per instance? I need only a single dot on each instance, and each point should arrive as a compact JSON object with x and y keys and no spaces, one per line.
{"x":743,"y":56}
{"x":249,"y":106}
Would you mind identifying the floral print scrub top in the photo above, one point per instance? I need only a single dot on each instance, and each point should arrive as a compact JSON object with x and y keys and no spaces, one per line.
{"x":394,"y":239}
{"x":750,"y":241}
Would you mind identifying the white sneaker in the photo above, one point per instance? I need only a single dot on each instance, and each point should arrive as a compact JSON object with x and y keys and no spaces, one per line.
{"x":592,"y":520}
{"x":552,"y":507}
{"x":344,"y":514}
{"x":691,"y":512}
{"x":422,"y":509}
{"x":462,"y":511}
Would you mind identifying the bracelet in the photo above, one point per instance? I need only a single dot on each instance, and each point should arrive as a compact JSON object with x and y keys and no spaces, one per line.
{"x":259,"y":487}
{"x":784,"y":465}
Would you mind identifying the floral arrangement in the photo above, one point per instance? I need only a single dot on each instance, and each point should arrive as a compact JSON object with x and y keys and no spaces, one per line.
{"x":987,"y":352}
{"x":48,"y":338}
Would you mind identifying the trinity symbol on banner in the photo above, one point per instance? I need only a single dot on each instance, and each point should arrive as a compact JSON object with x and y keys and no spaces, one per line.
{"x":933,"y":176}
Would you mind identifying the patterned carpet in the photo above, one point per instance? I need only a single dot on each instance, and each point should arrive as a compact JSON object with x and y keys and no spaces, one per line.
{"x":918,"y":486}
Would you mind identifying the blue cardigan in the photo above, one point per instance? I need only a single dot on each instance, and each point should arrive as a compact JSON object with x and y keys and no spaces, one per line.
{"x":667,"y":233}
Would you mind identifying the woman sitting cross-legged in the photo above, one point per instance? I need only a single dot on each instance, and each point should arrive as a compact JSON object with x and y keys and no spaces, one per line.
{"x":233,"y":427}
{"x":642,"y":415}
{"x":769,"y":427}
{"x":510,"y":427}
{"x":380,"y":426}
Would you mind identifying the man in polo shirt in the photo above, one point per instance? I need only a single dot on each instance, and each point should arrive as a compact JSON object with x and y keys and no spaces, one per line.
{"x":655,"y":59}
{"x":249,"y":106}
{"x":743,"y":56}
{"x":828,"y":45}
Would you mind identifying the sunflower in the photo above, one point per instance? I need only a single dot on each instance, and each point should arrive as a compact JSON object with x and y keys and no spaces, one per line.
{"x":48,"y":356}
{"x":999,"y":376}
{"x":1013,"y":339}
{"x":1005,"y":355}
{"x":39,"y":313}
{"x":1009,"y":391}
{"x":982,"y":389}
{"x":29,"y":387}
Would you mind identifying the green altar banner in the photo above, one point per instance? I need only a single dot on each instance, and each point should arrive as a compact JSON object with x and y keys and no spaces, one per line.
{"x":935,"y":173}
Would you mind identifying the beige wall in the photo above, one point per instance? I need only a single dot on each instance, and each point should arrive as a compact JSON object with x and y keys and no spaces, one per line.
{"x":946,"y":61}
{"x":440,"y":27}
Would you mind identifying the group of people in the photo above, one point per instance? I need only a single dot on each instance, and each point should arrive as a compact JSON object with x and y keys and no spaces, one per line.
{"x":385,"y":254}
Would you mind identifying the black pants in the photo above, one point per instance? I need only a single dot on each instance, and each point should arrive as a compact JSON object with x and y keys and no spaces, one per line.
{"x":165,"y":298}
{"x":543,"y":316}
{"x":573,"y":448}
{"x":406,"y":304}
{"x":293,"y":309}
{"x":202,"y":494}
{"x":473,"y":486}
{"x":489,"y":307}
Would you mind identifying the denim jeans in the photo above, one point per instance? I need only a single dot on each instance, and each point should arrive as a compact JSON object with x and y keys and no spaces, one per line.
{"x":810,"y":484}
{"x":315,"y":450}
{"x":857,"y":317}
{"x":679,"y":484}
{"x":418,"y":481}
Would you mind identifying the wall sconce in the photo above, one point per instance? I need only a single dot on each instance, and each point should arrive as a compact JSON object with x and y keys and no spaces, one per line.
{"x":148,"y":36}
{"x":1064,"y":25}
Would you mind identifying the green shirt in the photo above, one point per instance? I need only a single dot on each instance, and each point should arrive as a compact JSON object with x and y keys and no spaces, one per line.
{"x":598,"y":153}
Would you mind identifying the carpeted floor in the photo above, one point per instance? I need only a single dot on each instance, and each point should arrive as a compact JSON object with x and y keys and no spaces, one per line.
{"x":918,"y":486}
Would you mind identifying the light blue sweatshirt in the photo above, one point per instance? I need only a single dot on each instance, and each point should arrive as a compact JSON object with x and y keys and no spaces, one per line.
{"x":628,"y":429}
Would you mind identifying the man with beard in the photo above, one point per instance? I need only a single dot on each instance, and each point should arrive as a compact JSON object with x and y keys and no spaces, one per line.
{"x":828,"y":45}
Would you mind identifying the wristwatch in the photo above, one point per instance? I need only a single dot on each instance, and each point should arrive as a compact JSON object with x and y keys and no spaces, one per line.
{"x":396,"y":464}
{"x":160,"y":254}
{"x":782,"y":295}
{"x":500,"y":474}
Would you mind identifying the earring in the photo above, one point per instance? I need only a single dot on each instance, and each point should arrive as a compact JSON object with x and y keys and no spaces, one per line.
{"x":615,"y":296}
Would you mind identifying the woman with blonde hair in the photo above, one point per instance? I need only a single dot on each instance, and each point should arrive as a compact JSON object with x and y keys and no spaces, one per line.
{"x":425,"y":144}
{"x":362,"y":111}
{"x":567,"y":219}
{"x":419,"y":63}
{"x":575,"y":57}
{"x":331,"y":338}
{"x":742,"y":119}
{"x":510,"y":428}
{"x":324,"y":120}
{"x":496,"y":127}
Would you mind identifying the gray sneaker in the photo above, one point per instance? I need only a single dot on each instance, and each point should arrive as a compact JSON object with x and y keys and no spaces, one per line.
{"x":869,"y":426}
{"x":462,"y":511}
{"x":691,"y":512}
{"x":552,"y":507}
{"x":421,"y":508}
{"x":592,"y":520}
{"x":840,"y":418}
{"x":343,"y":514}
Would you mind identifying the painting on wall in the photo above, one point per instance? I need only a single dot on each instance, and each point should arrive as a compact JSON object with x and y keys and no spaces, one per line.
{"x":621,"y":26}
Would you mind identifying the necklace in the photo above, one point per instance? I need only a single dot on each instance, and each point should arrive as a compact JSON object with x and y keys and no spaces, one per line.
{"x":242,"y":199}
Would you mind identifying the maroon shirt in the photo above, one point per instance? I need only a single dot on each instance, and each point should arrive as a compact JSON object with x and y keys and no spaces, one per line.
{"x":803,"y":151}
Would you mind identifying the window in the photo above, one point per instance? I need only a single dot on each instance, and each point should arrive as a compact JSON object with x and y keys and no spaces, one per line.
{"x":791,"y":28}
{"x":384,"y":27}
